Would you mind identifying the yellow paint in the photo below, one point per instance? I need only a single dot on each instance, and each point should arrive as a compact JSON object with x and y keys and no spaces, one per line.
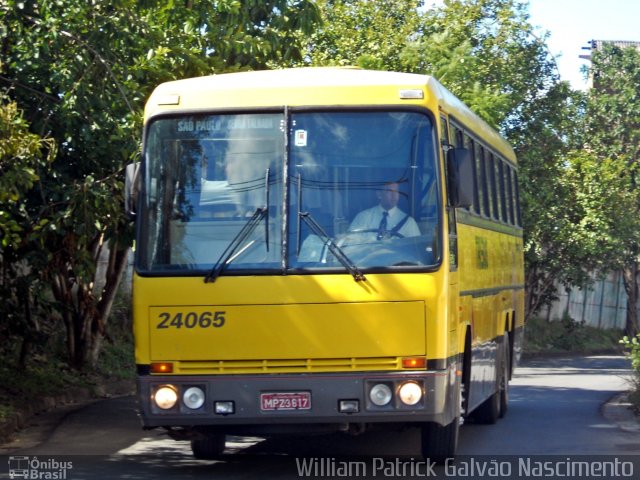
{"x":330,"y":322}
{"x":292,"y":317}
{"x":255,"y":332}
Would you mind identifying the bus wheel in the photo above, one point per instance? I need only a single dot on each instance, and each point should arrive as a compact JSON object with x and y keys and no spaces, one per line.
{"x":209,"y":446}
{"x":504,"y":380}
{"x":439,"y":443}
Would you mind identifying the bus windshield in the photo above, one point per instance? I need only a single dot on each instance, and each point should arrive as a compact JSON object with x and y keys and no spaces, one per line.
{"x":320,"y":186}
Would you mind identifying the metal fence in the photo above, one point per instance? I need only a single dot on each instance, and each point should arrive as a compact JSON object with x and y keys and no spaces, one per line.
{"x":602,"y":305}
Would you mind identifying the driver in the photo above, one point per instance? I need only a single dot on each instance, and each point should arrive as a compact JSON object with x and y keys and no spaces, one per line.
{"x":385,"y":220}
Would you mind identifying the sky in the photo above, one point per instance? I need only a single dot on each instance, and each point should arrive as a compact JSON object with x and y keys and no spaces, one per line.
{"x":573,"y":23}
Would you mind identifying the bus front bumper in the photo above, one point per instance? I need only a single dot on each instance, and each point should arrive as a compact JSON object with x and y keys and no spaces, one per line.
{"x":227,"y":400}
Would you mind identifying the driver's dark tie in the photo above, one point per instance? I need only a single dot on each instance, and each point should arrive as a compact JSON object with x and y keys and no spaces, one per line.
{"x":382,"y":228}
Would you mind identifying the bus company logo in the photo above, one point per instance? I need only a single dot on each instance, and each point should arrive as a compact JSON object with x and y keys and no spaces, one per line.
{"x":33,"y":468}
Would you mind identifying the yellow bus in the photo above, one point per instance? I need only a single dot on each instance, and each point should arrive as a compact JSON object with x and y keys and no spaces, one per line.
{"x":323,"y":249}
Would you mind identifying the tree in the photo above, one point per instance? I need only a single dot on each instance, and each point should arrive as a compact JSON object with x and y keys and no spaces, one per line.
{"x":82,"y":69}
{"x":550,"y":129}
{"x":613,"y":135}
{"x":370,"y":34}
{"x":488,"y":54}
{"x":22,"y":155}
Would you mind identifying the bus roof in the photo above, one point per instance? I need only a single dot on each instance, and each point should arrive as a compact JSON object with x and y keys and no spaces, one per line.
{"x":316,"y":86}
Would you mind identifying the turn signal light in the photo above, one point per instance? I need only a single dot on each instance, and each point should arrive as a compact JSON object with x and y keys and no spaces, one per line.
{"x":414,"y":362}
{"x":162,"y":367}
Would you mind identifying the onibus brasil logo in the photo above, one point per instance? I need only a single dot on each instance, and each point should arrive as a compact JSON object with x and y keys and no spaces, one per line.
{"x":34,"y":468}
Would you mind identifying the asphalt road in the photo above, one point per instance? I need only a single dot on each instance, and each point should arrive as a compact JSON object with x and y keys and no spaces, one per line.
{"x":555,"y":409}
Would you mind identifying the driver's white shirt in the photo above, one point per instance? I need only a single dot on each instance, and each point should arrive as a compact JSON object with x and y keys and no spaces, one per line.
{"x":370,"y":220}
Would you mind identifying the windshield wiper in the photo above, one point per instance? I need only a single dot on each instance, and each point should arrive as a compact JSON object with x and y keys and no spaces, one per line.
{"x":342,"y":257}
{"x":228,"y":255}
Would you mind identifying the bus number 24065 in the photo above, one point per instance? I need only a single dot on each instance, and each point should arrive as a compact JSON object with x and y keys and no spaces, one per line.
{"x":192,"y":319}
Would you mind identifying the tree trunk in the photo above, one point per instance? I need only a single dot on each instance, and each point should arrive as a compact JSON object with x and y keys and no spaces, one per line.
{"x":84,"y":307}
{"x":61,"y":292}
{"x":539,"y":287}
{"x":118,"y":260}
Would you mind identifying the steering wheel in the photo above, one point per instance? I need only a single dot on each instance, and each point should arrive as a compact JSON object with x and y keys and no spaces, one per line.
{"x":392,"y":233}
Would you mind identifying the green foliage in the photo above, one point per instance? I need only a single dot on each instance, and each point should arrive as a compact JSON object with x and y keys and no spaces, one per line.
{"x":484,"y":51}
{"x":613,"y":134}
{"x":45,"y":372}
{"x":632,"y":346}
{"x":548,"y":132}
{"x":5,"y":411}
{"x":22,"y":155}
{"x":368,"y":34}
{"x":614,"y":110}
{"x":487,"y":53}
{"x":81,"y":70}
{"x":602,"y":191}
{"x":567,"y":335}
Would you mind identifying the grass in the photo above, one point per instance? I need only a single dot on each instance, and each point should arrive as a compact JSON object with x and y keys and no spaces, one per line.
{"x":567,"y":335}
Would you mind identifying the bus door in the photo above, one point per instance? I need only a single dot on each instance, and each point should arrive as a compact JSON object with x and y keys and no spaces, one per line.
{"x":452,"y":232}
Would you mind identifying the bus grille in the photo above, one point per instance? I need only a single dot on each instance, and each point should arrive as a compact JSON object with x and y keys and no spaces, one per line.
{"x":287,"y":366}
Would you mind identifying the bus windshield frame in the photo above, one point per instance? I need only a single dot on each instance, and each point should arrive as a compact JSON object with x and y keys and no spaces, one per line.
{"x":206,"y":174}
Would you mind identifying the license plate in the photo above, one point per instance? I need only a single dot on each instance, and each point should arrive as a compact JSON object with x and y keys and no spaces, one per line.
{"x":285,"y":401}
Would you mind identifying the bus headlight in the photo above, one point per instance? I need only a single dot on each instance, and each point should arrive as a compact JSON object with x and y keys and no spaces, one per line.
{"x":410,"y":393}
{"x":165,"y":397}
{"x":193,"y":398}
{"x":380,"y":394}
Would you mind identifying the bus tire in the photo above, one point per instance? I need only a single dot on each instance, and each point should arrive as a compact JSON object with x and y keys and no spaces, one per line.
{"x":489,"y":411}
{"x":209,"y":446}
{"x":439,"y":442}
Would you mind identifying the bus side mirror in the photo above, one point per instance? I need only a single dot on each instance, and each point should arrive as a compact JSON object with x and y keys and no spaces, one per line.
{"x":131,"y":188}
{"x":460,"y":177}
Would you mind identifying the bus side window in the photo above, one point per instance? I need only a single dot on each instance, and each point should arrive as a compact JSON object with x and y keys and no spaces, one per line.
{"x":509,"y":191}
{"x":458,"y":139}
{"x":491,"y":184}
{"x":481,"y":181}
{"x":502,"y":190}
{"x":493,"y":167}
{"x":470,"y":145}
{"x":444,"y":134}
